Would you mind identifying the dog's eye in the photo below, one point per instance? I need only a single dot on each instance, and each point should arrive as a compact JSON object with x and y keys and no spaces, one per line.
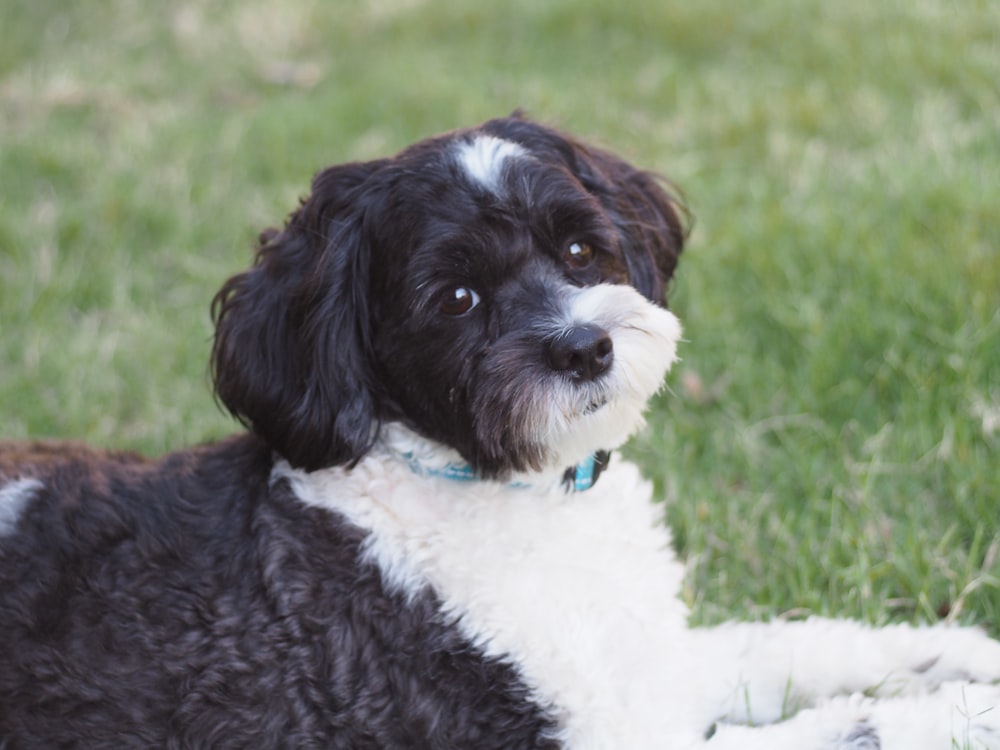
{"x":579,"y":255}
{"x":459,"y":301}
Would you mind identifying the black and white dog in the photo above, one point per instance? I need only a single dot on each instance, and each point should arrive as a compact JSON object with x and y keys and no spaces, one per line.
{"x":420,"y":541}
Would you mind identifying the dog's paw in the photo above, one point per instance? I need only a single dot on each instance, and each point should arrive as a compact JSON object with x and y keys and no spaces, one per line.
{"x":956,"y":654}
{"x":956,"y":715}
{"x":842,"y":723}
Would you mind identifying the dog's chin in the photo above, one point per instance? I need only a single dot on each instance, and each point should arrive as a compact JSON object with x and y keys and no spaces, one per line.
{"x":602,"y":423}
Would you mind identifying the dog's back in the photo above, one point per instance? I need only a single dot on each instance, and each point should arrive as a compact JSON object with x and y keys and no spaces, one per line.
{"x":49,"y":456}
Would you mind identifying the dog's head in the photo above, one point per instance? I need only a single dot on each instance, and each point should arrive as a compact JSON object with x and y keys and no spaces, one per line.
{"x":498,"y":290}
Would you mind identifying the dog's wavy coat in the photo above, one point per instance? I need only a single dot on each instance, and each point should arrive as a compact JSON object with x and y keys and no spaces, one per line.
{"x":420,"y":541}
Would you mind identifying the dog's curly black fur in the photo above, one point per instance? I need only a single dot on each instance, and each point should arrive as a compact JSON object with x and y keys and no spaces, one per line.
{"x":188,"y":604}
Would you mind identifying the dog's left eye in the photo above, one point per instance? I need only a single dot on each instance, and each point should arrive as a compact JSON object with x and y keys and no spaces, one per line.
{"x":578,"y":255}
{"x":459,"y":301}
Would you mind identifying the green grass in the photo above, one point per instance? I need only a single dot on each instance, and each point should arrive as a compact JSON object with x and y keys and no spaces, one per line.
{"x":829,"y":444}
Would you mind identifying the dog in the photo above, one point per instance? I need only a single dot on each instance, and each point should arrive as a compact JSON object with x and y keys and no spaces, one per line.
{"x":423,"y":538}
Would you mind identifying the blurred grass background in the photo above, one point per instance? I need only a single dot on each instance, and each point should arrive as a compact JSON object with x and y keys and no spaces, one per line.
{"x":830,"y":443}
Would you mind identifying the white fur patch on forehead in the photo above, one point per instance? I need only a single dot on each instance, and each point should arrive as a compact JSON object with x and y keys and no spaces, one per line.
{"x":14,"y":498}
{"x":484,"y":157}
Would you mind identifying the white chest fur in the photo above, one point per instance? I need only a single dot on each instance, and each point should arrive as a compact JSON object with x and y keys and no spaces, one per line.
{"x":577,"y":590}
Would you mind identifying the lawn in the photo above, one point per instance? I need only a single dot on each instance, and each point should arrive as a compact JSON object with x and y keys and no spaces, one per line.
{"x":830,"y":442}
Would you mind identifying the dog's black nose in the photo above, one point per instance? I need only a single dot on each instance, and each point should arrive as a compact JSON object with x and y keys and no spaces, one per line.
{"x":586,"y":351}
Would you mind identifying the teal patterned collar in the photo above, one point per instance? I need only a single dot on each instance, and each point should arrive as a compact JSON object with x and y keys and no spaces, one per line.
{"x":577,"y":478}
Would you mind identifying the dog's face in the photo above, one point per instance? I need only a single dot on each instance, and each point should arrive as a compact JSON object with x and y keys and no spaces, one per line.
{"x":497,"y":290}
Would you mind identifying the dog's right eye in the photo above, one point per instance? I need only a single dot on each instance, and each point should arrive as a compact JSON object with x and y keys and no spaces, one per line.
{"x":459,"y":301}
{"x":579,"y":255}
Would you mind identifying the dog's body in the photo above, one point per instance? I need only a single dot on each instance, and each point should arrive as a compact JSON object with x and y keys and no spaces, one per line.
{"x":421,"y":543}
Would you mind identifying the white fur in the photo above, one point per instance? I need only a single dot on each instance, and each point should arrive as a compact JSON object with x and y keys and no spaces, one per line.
{"x":556,"y":581}
{"x":483,"y":159}
{"x":14,"y":498}
{"x":580,"y":591}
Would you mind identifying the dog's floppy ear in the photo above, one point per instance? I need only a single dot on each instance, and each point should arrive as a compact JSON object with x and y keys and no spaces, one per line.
{"x":291,"y":358}
{"x":648,"y":212}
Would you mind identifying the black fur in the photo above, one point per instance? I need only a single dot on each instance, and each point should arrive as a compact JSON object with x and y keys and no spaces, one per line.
{"x":186,"y":604}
